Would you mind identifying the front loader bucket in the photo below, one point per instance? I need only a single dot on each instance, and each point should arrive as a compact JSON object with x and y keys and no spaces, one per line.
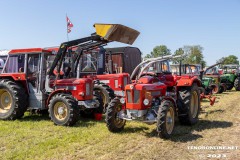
{"x":116,"y":32}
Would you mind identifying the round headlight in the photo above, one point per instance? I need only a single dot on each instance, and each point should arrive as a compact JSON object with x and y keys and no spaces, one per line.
{"x":131,"y":86}
{"x":146,"y":102}
{"x":122,"y":100}
{"x":81,"y":94}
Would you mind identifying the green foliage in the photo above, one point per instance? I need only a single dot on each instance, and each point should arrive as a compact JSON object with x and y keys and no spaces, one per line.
{"x":231,"y":59}
{"x":179,"y":51}
{"x":159,"y":51}
{"x":148,"y":56}
{"x":192,"y":55}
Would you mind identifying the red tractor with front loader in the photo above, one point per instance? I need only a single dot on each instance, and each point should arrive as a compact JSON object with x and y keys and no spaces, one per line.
{"x":88,"y":59}
{"x":35,"y":79}
{"x":156,"y":96}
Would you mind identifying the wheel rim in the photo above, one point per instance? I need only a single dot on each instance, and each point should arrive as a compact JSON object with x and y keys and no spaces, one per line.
{"x":194,"y":104}
{"x":5,"y":100}
{"x":170,"y":120}
{"x":118,"y":121}
{"x":60,"y":111}
{"x":103,"y":97}
{"x":215,"y":89}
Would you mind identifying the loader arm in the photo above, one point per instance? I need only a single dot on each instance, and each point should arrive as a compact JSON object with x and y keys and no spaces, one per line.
{"x":105,"y":33}
{"x":63,"y":48}
{"x":211,"y":67}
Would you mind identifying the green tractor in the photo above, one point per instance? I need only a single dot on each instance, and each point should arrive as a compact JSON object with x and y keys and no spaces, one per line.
{"x":207,"y":82}
{"x":231,"y":76}
{"x":211,"y":76}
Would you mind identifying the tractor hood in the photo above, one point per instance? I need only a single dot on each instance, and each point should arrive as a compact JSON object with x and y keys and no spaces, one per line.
{"x":73,"y":81}
{"x":116,"y":32}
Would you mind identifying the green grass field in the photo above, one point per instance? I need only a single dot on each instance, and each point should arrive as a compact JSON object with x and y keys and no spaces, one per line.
{"x":36,"y":137}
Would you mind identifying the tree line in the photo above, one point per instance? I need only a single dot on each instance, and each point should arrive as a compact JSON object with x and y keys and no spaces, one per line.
{"x":191,"y":54}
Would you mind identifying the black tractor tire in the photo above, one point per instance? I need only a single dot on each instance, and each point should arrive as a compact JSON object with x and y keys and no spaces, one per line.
{"x":188,"y":105}
{"x":230,"y":87}
{"x":13,"y":100}
{"x":67,"y":105}
{"x":166,"y":119}
{"x":221,"y":89}
{"x":224,"y":87}
{"x":114,"y":124}
{"x":215,"y":88}
{"x":89,"y":113}
{"x":237,"y":84}
{"x":105,"y":92}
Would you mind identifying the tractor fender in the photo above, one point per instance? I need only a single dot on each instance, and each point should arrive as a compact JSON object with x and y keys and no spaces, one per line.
{"x":54,"y":93}
{"x":14,"y":76}
{"x":188,"y":81}
{"x":20,"y":79}
{"x":170,"y":99}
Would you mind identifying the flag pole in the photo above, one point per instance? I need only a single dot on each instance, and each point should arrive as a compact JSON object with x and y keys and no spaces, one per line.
{"x":67,"y":29}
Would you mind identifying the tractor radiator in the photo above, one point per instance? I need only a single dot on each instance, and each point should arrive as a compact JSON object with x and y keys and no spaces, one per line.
{"x":133,"y":96}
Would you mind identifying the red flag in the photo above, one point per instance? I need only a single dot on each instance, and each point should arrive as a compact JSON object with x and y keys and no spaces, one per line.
{"x":69,"y":25}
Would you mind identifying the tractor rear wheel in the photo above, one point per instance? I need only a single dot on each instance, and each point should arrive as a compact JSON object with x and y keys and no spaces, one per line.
{"x":237,"y":84}
{"x":165,"y":119}
{"x":215,"y":88}
{"x":105,"y":92}
{"x":63,"y":110}
{"x":189,"y":105}
{"x":13,"y":100}
{"x":114,"y":123}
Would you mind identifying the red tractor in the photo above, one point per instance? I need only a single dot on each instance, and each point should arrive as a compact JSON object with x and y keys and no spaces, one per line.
{"x":156,"y":96}
{"x":195,"y":70}
{"x":33,"y":79}
{"x":25,"y":85}
{"x":89,"y":59}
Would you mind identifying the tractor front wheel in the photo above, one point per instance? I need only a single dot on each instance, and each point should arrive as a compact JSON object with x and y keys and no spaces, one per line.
{"x":224,"y":87}
{"x":63,"y":110}
{"x":221,"y":89}
{"x":13,"y":100}
{"x":114,"y":123}
{"x":166,"y":119}
{"x":215,"y":88}
{"x":237,"y":84}
{"x":189,"y":105}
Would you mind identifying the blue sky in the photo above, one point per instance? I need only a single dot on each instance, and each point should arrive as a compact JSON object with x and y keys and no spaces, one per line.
{"x":213,"y":24}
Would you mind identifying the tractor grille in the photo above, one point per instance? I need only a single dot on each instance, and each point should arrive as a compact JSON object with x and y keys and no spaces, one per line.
{"x":136,"y":96}
{"x":88,"y":89}
{"x":129,"y":96}
{"x":133,"y":97}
